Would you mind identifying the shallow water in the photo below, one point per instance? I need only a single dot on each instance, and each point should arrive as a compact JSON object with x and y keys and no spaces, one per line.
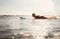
{"x":38,"y":28}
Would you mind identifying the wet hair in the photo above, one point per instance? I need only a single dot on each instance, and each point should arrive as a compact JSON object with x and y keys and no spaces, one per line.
{"x":33,"y":14}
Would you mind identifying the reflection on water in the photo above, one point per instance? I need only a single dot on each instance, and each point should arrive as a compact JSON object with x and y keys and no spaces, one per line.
{"x":17,"y":26}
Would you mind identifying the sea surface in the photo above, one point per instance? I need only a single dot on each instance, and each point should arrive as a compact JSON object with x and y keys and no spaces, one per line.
{"x":19,"y":24}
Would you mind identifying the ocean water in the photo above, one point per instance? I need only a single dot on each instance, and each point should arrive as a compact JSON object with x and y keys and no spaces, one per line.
{"x":40,"y":27}
{"x":24,"y":23}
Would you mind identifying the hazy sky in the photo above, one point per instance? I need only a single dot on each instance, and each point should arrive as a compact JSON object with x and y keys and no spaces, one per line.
{"x":57,"y":6}
{"x":27,"y":7}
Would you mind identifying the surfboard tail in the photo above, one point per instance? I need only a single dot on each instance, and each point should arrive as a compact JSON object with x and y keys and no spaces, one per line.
{"x":53,"y":17}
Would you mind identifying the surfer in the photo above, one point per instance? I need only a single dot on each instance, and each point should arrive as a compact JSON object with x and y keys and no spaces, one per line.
{"x":42,"y":17}
{"x":38,"y":17}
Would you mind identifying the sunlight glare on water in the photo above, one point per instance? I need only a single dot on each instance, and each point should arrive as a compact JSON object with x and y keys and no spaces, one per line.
{"x":39,"y":28}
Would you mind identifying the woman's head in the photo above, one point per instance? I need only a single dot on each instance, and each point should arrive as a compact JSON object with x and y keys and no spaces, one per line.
{"x":33,"y":14}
